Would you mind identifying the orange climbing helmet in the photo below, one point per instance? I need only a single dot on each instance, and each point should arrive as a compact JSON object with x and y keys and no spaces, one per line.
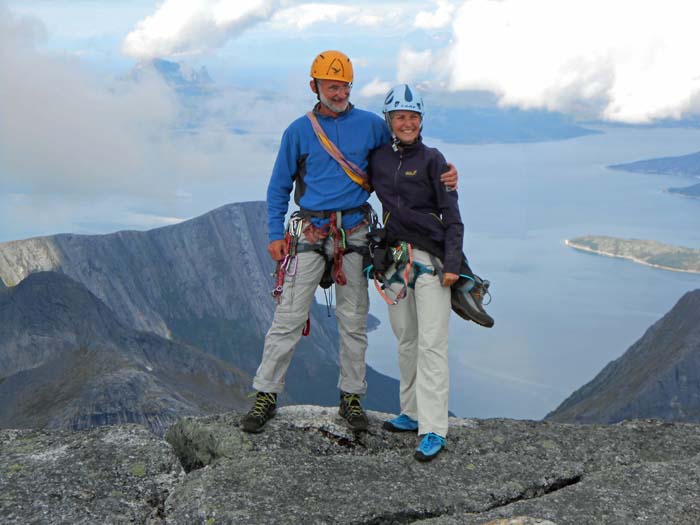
{"x":332,"y":65}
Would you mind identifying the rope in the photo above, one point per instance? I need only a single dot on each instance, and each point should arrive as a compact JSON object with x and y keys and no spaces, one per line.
{"x":351,"y":170}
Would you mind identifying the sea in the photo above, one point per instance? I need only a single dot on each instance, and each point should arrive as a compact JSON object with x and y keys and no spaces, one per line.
{"x":560,"y":314}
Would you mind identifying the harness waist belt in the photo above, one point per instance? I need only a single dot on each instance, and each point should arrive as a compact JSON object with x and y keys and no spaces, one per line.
{"x":325,"y":214}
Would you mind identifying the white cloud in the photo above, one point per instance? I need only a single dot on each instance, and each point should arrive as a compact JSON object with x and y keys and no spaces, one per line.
{"x":189,"y":27}
{"x":62,"y":124}
{"x":303,"y":16}
{"x":441,"y":17}
{"x":376,"y":87}
{"x":180,"y":27}
{"x":415,"y":65}
{"x":627,"y":60}
{"x":76,"y":149}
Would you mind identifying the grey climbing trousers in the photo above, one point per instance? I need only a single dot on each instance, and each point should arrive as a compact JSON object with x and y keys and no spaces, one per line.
{"x":352,"y":305}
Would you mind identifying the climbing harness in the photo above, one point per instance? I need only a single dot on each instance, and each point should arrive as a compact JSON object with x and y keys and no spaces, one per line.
{"x":317,"y":237}
{"x":407,"y":271}
{"x":333,"y":229}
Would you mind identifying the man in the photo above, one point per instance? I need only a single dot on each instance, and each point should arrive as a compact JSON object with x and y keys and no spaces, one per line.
{"x":332,"y":199}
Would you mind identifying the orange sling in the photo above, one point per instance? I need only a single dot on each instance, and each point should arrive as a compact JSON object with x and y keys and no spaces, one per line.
{"x":352,"y":170}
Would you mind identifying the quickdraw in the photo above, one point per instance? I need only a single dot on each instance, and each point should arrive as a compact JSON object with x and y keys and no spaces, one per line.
{"x":288,"y":265}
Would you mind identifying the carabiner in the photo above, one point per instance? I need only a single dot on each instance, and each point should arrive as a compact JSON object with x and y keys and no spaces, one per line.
{"x":291,"y":262}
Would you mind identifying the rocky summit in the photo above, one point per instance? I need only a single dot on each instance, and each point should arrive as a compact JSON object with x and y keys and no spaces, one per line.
{"x":308,"y":468}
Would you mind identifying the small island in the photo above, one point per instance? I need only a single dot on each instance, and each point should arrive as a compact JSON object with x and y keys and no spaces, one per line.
{"x":690,"y":191}
{"x":650,"y":253}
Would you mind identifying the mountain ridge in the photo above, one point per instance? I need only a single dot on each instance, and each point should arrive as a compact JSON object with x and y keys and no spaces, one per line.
{"x":203,"y":282}
{"x":657,"y":377}
{"x":67,"y":362}
{"x":682,"y":165}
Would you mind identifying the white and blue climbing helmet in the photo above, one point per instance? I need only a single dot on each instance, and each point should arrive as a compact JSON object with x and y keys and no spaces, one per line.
{"x":403,"y":97}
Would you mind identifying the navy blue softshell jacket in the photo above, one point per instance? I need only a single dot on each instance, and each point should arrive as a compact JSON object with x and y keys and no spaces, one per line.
{"x":416,"y":206}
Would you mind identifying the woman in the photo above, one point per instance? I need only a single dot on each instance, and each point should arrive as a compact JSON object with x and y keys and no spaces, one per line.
{"x":424,"y":231}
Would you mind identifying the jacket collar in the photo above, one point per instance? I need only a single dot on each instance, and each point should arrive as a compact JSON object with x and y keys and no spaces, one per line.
{"x":407,"y":148}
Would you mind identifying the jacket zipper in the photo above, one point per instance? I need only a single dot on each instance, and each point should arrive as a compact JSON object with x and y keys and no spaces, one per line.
{"x":396,"y":186}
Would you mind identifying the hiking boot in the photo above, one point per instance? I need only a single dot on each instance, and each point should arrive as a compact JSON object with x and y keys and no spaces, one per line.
{"x":468,"y":300}
{"x":351,"y":411}
{"x":263,"y":410}
{"x":430,"y":446}
{"x":403,"y":423}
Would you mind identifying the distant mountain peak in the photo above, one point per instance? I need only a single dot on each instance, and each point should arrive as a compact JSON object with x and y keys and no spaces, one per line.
{"x":684,"y":165}
{"x":180,"y":75}
{"x":657,"y":377}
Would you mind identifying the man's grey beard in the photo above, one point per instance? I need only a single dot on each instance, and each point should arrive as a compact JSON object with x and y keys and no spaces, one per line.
{"x":331,"y":106}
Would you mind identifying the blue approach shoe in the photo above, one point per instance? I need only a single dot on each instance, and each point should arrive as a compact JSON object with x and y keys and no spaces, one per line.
{"x":403,"y":423}
{"x":430,"y":446}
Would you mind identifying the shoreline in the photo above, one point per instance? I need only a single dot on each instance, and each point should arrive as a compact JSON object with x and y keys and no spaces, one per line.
{"x":680,"y":194}
{"x":571,"y":244}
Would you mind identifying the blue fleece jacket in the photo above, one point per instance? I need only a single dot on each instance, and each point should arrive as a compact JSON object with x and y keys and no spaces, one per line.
{"x":320,"y":183}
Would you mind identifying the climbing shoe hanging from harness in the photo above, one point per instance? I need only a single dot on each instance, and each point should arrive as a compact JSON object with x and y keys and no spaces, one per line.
{"x":468,"y":296}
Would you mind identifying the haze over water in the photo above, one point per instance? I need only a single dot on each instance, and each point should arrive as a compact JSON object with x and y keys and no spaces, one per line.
{"x":561,"y":315}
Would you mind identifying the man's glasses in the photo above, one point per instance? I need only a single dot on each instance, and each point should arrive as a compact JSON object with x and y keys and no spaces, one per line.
{"x":334,"y":89}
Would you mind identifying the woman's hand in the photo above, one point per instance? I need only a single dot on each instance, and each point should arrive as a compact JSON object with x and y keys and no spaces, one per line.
{"x":448,"y":279}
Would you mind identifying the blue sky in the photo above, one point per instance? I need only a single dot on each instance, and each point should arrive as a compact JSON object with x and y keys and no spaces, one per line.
{"x":85,"y":150}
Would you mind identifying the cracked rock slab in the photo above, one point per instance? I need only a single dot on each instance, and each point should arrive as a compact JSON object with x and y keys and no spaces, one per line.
{"x":118,"y":474}
{"x":306,"y":467}
{"x":521,"y":520}
{"x":658,"y":493}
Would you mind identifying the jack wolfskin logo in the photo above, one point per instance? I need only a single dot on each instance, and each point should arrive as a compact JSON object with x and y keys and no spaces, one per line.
{"x":411,"y":173}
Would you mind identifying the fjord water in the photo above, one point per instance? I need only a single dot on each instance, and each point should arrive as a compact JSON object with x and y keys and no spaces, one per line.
{"x":561,"y":315}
